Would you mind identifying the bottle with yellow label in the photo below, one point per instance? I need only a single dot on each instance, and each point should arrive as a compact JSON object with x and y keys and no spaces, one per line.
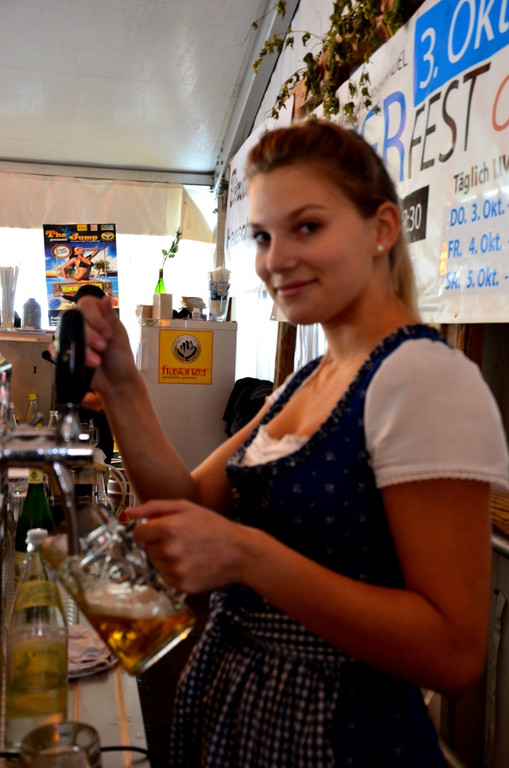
{"x":32,"y":409}
{"x":35,"y":513}
{"x":36,"y":687}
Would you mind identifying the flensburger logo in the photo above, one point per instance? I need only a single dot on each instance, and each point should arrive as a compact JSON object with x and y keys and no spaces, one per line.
{"x":186,"y":348}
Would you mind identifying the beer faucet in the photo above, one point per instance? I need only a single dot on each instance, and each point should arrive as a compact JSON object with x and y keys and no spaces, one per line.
{"x":111,"y":577}
{"x":56,"y":451}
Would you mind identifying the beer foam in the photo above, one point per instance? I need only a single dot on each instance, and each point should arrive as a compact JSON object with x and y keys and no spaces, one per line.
{"x":140,"y":603}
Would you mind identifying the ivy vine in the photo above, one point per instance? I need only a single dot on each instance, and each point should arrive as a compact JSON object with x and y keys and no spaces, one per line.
{"x":357,"y":29}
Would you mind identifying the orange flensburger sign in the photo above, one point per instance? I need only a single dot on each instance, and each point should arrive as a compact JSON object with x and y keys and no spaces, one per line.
{"x":185,"y":357}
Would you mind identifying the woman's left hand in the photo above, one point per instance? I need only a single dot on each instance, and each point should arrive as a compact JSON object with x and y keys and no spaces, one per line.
{"x":195,"y":549}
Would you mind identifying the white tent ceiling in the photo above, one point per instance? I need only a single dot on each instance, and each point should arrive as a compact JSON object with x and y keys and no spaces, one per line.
{"x":140,"y":86}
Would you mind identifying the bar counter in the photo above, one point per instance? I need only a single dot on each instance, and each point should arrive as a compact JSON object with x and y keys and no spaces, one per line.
{"x":108,"y":700}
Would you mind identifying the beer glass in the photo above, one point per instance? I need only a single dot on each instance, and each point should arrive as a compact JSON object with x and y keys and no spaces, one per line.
{"x":61,"y":745}
{"x":116,"y":587}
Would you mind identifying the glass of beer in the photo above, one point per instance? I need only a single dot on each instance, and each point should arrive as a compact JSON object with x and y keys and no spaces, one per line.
{"x":119,"y":591}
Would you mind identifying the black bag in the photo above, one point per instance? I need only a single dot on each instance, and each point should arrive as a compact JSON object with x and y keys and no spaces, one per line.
{"x":247,"y":397}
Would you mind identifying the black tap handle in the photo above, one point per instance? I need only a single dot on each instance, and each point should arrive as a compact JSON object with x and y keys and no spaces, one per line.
{"x":71,"y":375}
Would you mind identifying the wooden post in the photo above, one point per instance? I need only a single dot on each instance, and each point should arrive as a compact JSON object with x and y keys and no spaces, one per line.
{"x":285,"y":352}
{"x":467,"y":337}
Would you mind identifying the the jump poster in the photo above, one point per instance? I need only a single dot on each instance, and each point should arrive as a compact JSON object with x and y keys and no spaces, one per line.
{"x":76,"y":255}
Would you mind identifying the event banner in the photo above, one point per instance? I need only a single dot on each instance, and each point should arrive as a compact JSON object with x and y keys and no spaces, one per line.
{"x":76,"y":255}
{"x":441,"y":125}
{"x":238,"y":246}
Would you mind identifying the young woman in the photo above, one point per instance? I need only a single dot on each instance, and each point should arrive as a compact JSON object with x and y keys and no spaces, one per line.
{"x":345,"y":531}
{"x":81,"y":264}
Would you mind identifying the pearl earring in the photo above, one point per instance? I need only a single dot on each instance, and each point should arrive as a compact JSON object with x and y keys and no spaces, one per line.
{"x":380,"y":248}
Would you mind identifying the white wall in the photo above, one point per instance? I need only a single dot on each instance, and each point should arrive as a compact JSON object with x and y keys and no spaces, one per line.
{"x":139,"y":258}
{"x":139,"y":261}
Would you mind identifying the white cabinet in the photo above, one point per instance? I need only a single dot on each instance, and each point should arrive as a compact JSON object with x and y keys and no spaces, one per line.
{"x":189,"y":370}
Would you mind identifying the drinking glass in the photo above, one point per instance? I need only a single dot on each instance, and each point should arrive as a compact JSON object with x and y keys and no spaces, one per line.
{"x":218,"y":300}
{"x":61,"y":745}
{"x":17,"y":491}
{"x":88,"y":428}
{"x":8,"y":280}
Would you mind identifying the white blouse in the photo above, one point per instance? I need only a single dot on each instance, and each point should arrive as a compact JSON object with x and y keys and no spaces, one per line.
{"x":428,"y":413}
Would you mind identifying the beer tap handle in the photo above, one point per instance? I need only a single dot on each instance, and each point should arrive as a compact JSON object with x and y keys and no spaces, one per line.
{"x":70,"y":363}
{"x":70,"y":386}
{"x":70,"y":374}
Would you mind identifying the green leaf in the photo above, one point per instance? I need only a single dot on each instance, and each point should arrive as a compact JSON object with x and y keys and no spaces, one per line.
{"x":352,"y":37}
{"x":172,"y":250}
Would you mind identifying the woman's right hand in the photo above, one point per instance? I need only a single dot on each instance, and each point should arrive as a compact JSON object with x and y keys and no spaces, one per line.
{"x":108,"y":348}
{"x":154,"y":467}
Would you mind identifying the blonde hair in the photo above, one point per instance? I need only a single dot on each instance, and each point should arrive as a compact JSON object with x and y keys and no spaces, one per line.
{"x":352,"y":165}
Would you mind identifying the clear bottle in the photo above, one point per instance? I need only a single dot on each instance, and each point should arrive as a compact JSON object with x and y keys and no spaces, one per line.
{"x":11,"y":416}
{"x":35,"y":513}
{"x":31,"y":315}
{"x":160,"y":287}
{"x":36,"y":677}
{"x":53,"y":419}
{"x":32,"y":409}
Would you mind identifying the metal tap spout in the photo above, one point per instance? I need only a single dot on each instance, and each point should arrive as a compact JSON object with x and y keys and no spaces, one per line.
{"x":56,"y":452}
{"x":41,"y":448}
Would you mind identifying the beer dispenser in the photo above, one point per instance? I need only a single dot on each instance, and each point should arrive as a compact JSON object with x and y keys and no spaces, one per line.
{"x":95,"y":554}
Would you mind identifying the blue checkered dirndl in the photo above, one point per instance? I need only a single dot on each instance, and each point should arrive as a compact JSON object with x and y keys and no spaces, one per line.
{"x":261,"y":691}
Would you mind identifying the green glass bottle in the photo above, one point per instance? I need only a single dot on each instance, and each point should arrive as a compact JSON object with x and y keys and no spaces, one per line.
{"x":35,"y":513}
{"x":36,"y":650}
{"x":160,"y":288}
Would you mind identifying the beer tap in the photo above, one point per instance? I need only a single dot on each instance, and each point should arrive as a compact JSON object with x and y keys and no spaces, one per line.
{"x":104,"y":570}
{"x":56,"y":451}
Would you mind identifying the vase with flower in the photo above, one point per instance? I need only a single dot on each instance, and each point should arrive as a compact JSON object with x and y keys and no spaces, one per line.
{"x":162,"y":302}
{"x":167,"y":254}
